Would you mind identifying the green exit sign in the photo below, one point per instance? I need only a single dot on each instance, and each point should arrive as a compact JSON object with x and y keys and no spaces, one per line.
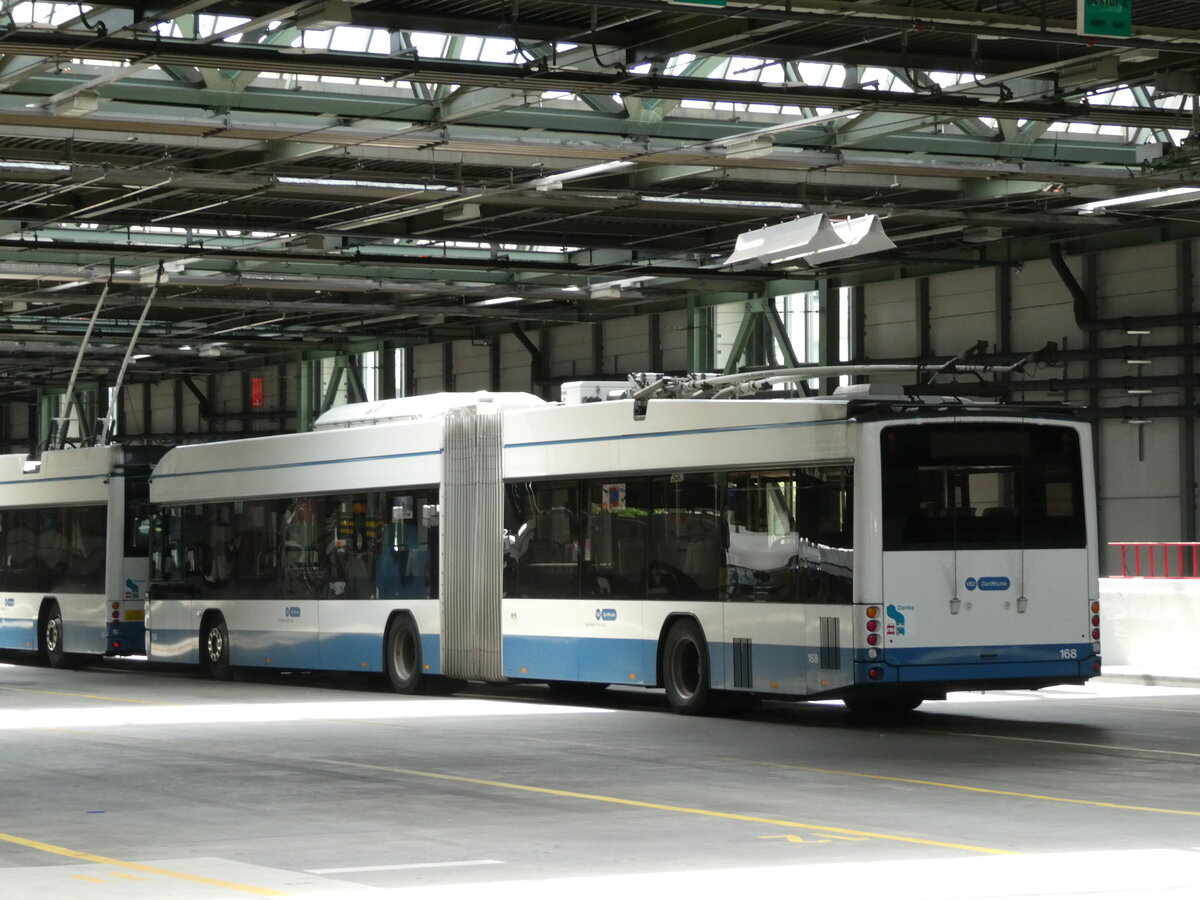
{"x":1105,"y":18}
{"x":700,"y":2}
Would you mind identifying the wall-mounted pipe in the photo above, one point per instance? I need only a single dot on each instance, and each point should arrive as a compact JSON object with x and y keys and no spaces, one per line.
{"x":1058,"y":385}
{"x":536,"y":363}
{"x":1083,"y":306}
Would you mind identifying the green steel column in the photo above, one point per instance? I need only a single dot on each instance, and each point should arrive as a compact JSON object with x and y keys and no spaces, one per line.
{"x":335,"y":382}
{"x":47,"y":409}
{"x":744,"y":336}
{"x":700,"y":338}
{"x":829,"y":329}
{"x":304,"y":395}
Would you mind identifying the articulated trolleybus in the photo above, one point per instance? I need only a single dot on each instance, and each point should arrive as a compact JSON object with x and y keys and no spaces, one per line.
{"x":878,"y":549}
{"x":74,"y":551}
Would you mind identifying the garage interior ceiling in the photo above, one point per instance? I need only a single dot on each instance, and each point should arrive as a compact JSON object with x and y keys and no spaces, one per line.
{"x":309,"y":177}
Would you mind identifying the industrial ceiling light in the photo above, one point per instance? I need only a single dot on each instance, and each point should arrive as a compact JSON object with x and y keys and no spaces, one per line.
{"x":813,"y":240}
{"x":859,"y":237}
{"x":748,"y":147}
{"x":788,"y":240}
{"x":553,"y":182}
{"x":1153,"y":198}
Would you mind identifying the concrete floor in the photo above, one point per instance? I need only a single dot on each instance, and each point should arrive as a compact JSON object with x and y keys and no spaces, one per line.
{"x":118,"y":782}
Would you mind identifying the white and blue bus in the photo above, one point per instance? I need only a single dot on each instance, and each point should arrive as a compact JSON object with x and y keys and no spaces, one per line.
{"x":74,"y":551}
{"x":880,"y":550}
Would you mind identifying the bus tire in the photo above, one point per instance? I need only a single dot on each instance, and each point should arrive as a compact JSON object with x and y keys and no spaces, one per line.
{"x":214,"y":647}
{"x":50,"y":637}
{"x":685,"y":665}
{"x":402,"y":655}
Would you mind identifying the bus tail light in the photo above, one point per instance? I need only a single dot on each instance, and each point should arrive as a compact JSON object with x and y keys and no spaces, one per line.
{"x":1094,"y":609}
{"x":874,"y":630}
{"x":874,"y":673}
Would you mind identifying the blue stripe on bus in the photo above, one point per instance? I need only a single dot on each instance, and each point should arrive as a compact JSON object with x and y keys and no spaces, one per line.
{"x":683,"y":432}
{"x":297,"y":465}
{"x":18,"y":634}
{"x":364,"y":653}
{"x":550,"y":443}
{"x":633,"y":661}
{"x":126,"y":638}
{"x":992,"y":673}
{"x":33,"y":479}
{"x":775,"y":668}
{"x":277,"y":649}
{"x":985,"y":655}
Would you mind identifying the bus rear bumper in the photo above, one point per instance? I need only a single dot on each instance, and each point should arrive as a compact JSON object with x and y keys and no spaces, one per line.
{"x":979,"y":676}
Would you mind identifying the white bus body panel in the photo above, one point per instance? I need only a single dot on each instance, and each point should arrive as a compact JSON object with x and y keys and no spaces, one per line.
{"x":675,"y":435}
{"x":948,"y":614}
{"x":74,"y":477}
{"x":342,"y":460}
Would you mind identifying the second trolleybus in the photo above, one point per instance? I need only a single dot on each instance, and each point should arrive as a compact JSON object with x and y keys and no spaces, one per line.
{"x":882,"y":550}
{"x":74,"y":547}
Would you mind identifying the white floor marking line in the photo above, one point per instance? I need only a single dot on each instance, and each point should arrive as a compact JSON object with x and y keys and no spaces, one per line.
{"x":437,"y":865}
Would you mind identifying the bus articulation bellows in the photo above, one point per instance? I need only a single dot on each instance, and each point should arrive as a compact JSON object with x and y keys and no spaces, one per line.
{"x":878,"y":549}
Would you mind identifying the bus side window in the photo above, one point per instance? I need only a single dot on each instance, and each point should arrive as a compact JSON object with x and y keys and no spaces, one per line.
{"x":542,"y":552}
{"x":760,"y":544}
{"x":824,"y":522}
{"x":616,"y":540}
{"x":684,"y":538}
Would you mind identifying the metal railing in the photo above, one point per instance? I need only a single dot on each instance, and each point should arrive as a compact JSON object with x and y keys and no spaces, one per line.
{"x":1159,"y":559}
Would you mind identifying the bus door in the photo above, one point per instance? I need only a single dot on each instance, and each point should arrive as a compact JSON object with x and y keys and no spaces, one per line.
{"x":789,"y":567}
{"x":984,"y":548}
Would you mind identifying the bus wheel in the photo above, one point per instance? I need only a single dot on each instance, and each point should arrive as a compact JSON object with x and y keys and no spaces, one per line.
{"x":51,"y":645}
{"x":685,"y":669}
{"x":402,"y":655}
{"x":214,"y":647}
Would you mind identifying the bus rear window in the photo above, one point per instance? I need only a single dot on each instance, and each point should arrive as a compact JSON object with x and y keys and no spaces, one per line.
{"x":981,"y":485}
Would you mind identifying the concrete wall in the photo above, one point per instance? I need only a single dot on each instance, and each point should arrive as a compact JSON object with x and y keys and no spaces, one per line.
{"x":1141,"y":469}
{"x":1153,"y":624}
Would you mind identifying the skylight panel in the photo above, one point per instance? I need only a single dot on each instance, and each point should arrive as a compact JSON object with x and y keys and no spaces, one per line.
{"x":314,"y":40}
{"x":471,"y":48}
{"x":350,"y":38}
{"x":821,"y":74}
{"x":772,"y":74}
{"x":428,"y":43}
{"x":740,"y":68}
{"x":47,"y":13}
{"x":496,"y":50}
{"x":380,"y":42}
{"x":677,"y":65}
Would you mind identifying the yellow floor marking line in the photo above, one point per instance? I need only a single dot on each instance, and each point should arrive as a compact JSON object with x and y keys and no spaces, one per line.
{"x":139,"y":867}
{"x":662,"y":807}
{"x":981,"y":790}
{"x":17,"y":690}
{"x":1077,"y":744}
